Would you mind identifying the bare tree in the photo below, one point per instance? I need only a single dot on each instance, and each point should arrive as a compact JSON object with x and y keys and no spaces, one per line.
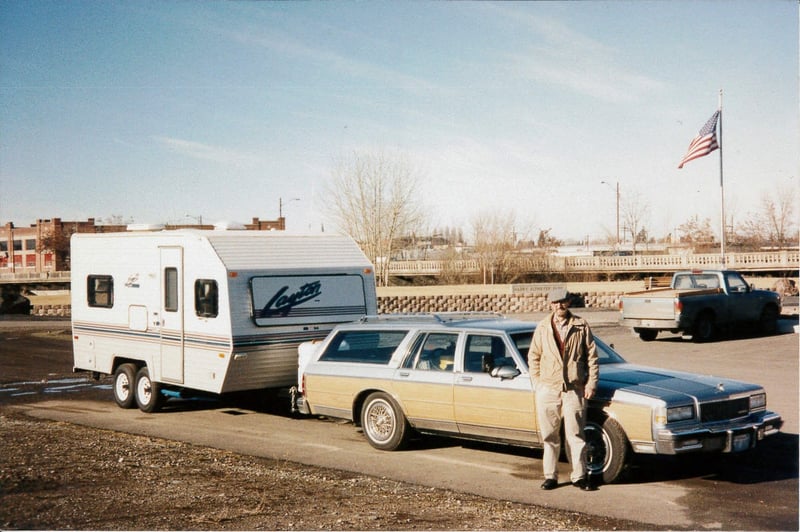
{"x":374,"y":199}
{"x":778,"y":211}
{"x":775,"y":223}
{"x":495,"y":236}
{"x":696,"y":231}
{"x":453,"y":267}
{"x":634,"y":211}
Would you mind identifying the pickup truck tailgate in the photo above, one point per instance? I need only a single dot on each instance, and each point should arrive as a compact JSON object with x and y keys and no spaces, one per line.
{"x":651,"y":305}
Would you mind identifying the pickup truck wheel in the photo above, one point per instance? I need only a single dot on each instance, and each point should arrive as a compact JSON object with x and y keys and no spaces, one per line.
{"x":607,"y":449}
{"x":647,"y":335}
{"x":148,"y":393}
{"x":124,"y":378}
{"x":768,"y":323}
{"x":704,"y":328}
{"x":383,"y":423}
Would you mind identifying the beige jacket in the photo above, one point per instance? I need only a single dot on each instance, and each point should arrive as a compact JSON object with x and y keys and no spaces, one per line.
{"x":576,"y":368}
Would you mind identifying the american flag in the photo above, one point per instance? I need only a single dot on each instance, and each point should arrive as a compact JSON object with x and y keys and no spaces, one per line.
{"x":704,"y":143}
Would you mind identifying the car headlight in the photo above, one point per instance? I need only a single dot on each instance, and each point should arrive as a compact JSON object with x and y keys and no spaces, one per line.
{"x":680,"y":413}
{"x":663,"y":415}
{"x":758,"y":401}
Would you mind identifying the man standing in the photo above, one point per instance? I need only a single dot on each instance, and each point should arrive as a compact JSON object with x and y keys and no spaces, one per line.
{"x":564,"y":372}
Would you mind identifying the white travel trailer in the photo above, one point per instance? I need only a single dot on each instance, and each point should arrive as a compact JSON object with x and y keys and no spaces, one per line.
{"x":216,"y":311}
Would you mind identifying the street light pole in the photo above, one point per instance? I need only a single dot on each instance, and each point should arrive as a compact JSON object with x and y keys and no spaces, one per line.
{"x":280,"y":205}
{"x":617,"y":193}
{"x":198,"y":219}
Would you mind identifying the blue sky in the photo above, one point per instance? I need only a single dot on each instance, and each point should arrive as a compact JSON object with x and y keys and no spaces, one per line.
{"x":155,"y":110}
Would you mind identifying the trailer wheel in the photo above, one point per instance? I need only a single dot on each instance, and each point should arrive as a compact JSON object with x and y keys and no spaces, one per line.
{"x":124,"y":379}
{"x":148,"y":393}
{"x":383,"y":422}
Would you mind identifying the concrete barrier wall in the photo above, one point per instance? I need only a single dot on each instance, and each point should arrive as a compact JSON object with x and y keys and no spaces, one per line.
{"x":418,"y":301}
{"x":63,"y":311}
{"x":506,"y":299}
{"x":503,"y":303}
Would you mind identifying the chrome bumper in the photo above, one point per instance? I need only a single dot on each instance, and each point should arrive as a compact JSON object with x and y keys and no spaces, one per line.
{"x":298,"y":401}
{"x":659,"y":324}
{"x":726,"y":438}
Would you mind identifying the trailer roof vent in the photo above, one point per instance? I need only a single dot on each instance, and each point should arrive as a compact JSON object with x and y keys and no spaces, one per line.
{"x":145,"y":227}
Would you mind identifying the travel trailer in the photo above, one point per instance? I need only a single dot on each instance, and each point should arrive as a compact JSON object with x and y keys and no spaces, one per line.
{"x":166,"y":312}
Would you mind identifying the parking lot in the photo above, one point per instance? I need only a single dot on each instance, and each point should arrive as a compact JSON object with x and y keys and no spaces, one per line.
{"x":754,"y":491}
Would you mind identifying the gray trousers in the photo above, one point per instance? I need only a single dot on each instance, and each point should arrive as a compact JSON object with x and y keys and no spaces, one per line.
{"x":551,"y":407}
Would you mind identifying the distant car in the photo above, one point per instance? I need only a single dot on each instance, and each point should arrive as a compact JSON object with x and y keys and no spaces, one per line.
{"x":466,"y":376}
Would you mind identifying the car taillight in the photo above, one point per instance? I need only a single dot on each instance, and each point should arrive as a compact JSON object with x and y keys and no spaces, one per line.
{"x":678,"y":306}
{"x":303,"y":384}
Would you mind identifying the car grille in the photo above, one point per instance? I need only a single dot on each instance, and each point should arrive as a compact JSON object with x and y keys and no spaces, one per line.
{"x":722,"y":410}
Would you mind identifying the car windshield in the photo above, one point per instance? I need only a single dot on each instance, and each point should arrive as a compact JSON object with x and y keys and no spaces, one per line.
{"x":605,"y":354}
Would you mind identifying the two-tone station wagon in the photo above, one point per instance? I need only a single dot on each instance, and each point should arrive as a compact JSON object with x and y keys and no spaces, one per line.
{"x":466,"y":376}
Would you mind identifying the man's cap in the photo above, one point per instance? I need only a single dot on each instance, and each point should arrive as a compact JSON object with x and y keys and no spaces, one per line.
{"x":557,"y":294}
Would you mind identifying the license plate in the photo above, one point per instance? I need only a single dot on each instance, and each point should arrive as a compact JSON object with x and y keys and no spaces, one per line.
{"x":741,"y":442}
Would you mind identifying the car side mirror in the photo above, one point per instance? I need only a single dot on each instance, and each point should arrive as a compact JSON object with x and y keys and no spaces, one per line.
{"x":505,"y":372}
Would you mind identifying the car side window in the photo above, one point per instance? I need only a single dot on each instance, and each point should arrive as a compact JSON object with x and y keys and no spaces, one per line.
{"x":368,"y":347}
{"x":483,"y":348}
{"x":736,"y":284}
{"x":435,"y":352}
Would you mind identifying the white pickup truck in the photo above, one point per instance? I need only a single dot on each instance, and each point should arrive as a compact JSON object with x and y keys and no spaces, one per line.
{"x":698,"y":303}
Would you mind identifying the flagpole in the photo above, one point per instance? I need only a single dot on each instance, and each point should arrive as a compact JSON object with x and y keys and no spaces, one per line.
{"x":721,"y":187}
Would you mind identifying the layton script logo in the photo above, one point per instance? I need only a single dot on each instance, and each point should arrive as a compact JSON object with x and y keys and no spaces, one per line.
{"x":282,"y":303}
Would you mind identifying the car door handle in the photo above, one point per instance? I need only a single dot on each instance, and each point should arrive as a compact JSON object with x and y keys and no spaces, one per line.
{"x":404,"y":373}
{"x":465,"y":379}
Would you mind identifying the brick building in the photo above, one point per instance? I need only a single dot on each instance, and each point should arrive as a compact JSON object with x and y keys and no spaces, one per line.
{"x":43,"y":247}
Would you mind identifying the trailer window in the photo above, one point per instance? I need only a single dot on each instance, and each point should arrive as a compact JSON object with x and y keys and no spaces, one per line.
{"x":100,"y":291}
{"x":171,"y":289}
{"x":206,"y":298}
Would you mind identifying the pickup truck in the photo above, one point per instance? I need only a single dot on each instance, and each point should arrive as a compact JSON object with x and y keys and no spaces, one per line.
{"x":699,"y":304}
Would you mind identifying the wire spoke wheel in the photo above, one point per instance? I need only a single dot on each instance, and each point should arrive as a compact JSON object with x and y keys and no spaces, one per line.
{"x":384,"y":424}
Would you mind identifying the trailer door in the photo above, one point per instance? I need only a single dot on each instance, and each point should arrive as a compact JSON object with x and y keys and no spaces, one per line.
{"x":172,"y":334}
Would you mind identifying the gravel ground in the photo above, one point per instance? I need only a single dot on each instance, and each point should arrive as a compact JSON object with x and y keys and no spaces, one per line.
{"x":62,"y":476}
{"x":59,"y":476}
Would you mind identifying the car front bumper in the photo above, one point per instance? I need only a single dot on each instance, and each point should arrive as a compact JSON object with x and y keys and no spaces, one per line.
{"x":725,"y":438}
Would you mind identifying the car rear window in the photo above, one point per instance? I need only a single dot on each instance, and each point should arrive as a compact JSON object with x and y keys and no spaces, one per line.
{"x":368,"y":347}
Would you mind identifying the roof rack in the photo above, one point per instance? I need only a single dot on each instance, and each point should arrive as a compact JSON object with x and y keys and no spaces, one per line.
{"x":438,"y":317}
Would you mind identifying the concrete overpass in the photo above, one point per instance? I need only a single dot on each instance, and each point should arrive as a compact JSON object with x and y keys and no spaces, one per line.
{"x":783,"y":263}
{"x":778,"y":261}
